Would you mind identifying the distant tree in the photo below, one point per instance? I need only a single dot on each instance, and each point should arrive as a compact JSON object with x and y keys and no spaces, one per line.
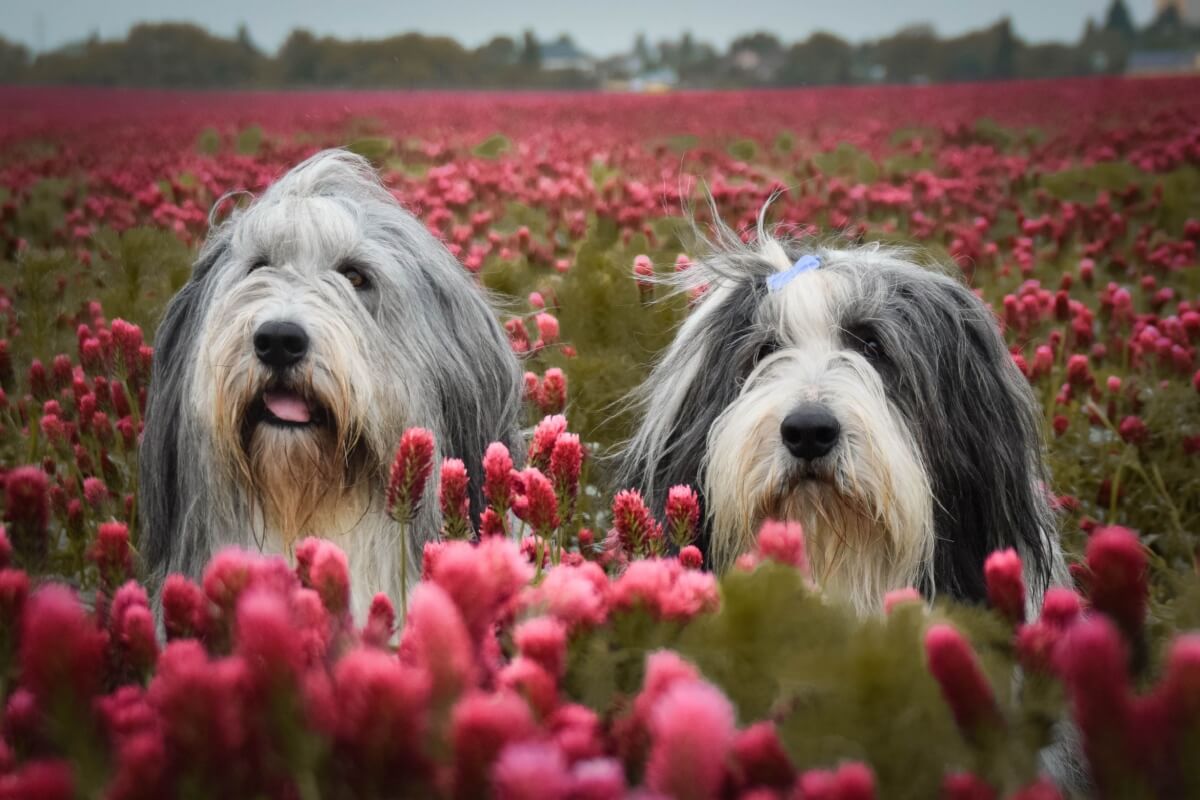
{"x":245,"y":41}
{"x":298,"y":61}
{"x":531,"y":52}
{"x":499,"y":51}
{"x":14,"y":61}
{"x":1118,"y":20}
{"x":822,"y":59}
{"x":641,"y":51}
{"x":1005,"y":60}
{"x":687,"y":49}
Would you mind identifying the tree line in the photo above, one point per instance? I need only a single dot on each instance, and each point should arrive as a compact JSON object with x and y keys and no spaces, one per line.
{"x":182,"y":55}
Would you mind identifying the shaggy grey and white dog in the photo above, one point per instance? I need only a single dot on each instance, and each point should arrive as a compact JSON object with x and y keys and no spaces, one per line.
{"x":318,"y":324}
{"x":865,"y":396}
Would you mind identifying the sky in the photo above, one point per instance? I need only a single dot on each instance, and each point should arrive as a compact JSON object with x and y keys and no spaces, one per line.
{"x":600,"y":27}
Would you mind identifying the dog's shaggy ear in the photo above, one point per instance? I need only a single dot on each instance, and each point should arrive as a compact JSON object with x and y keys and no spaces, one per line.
{"x":981,"y":439}
{"x":697,"y":378}
{"x":166,"y":481}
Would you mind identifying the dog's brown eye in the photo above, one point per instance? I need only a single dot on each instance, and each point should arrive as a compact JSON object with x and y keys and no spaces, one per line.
{"x":356,"y":277}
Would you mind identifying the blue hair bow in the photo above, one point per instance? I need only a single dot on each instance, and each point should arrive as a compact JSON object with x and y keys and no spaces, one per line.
{"x":781,"y":279}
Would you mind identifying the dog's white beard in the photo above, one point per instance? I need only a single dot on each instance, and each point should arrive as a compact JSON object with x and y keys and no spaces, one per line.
{"x":867,"y":517}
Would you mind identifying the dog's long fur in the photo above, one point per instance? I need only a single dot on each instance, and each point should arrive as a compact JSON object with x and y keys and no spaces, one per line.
{"x":419,"y":346}
{"x":940,"y":457}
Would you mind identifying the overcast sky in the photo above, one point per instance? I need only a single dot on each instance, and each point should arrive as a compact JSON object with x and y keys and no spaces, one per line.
{"x":599,"y":26}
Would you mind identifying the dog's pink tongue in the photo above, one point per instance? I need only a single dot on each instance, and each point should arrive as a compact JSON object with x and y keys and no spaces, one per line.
{"x":287,"y":406}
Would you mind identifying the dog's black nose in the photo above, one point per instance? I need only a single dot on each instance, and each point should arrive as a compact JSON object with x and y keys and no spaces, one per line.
{"x":280,"y":344}
{"x":810,"y":431}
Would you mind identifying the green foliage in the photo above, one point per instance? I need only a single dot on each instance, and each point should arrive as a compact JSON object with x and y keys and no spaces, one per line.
{"x":494,"y":146}
{"x":828,"y":679}
{"x":248,"y":141}
{"x":847,"y":161}
{"x":208,"y":142}
{"x":744,"y":149}
{"x":375,"y":149}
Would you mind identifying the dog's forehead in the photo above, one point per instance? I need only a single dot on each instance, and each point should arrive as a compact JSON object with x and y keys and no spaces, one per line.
{"x":303,"y":231}
{"x":808,"y":308}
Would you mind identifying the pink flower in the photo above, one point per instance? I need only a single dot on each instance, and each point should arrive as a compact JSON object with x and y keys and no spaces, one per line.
{"x":966,"y":786}
{"x":531,"y":771}
{"x":575,"y":595}
{"x":547,"y":325}
{"x":956,"y":668}
{"x":691,"y":557}
{"x":544,"y":640}
{"x":382,"y":711}
{"x":1133,"y":430}
{"x":683,"y":514}
{"x":1040,"y":789}
{"x":1091,"y":659}
{"x":497,"y":483}
{"x":897,"y":597}
{"x":42,"y":779}
{"x":851,"y":781}
{"x":537,"y":504}
{"x":691,"y":733}
{"x":185,"y":608}
{"x":759,"y":758}
{"x":329,"y":575}
{"x":455,"y":500}
{"x":566,"y":462}
{"x":598,"y":779}
{"x":541,"y":445}
{"x":410,"y":471}
{"x":111,"y":553}
{"x":27,"y":510}
{"x":530,"y":680}
{"x":14,"y":591}
{"x":1060,"y":606}
{"x":480,"y":727}
{"x":783,"y":542}
{"x":1005,"y":584}
{"x":1117,"y":581}
{"x":637,"y":531}
{"x":436,"y":640}
{"x":61,"y":651}
{"x":381,"y":621}
{"x":552,"y":394}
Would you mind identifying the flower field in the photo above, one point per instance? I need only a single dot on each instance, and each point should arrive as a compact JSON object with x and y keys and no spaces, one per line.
{"x":587,"y":655}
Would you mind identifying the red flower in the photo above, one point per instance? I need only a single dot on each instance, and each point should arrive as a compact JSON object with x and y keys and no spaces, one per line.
{"x":683,"y":514}
{"x":851,"y":781}
{"x":531,"y":771}
{"x":691,"y":733}
{"x":62,"y":652}
{"x":566,"y":462}
{"x":1133,"y":430}
{"x":637,"y":531}
{"x":111,"y":553}
{"x":783,"y":542}
{"x":410,"y":471}
{"x":1117,"y":580}
{"x":497,"y":481}
{"x":455,"y":500}
{"x":537,"y":504}
{"x":381,"y":621}
{"x":544,"y":640}
{"x":480,"y":727}
{"x":965,"y":786}
{"x":552,"y":394}
{"x":185,"y":608}
{"x":956,"y":668}
{"x":436,"y":640}
{"x":329,"y":575}
{"x":898,"y":597}
{"x":27,"y":510}
{"x":759,"y":758}
{"x":382,"y":711}
{"x":1005,"y":584}
{"x":691,"y":557}
{"x":541,"y":445}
